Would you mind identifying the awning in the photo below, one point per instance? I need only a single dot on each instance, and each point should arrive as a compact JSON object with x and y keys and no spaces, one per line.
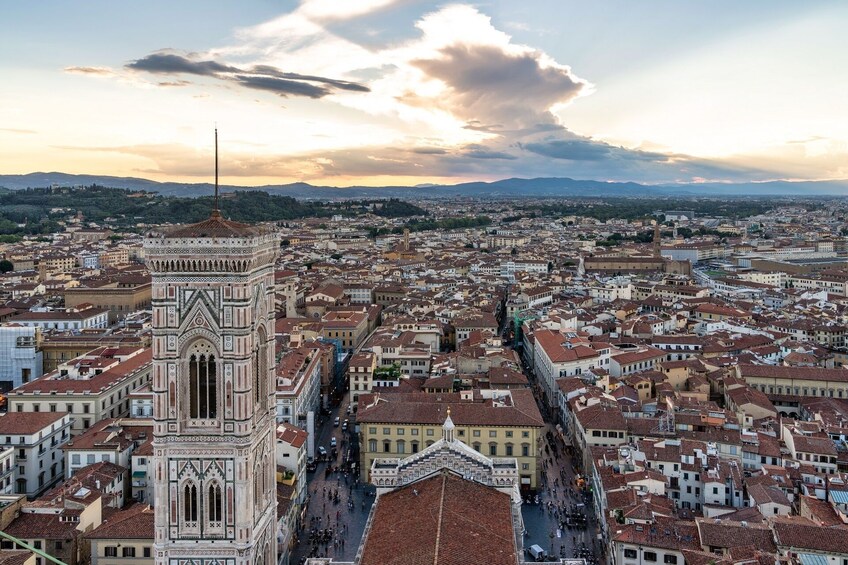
{"x":812,"y":559}
{"x":139,"y":474}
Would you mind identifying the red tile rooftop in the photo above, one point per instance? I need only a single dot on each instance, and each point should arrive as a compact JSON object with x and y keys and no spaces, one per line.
{"x":25,"y":423}
{"x":449,"y":526}
{"x":63,"y":385}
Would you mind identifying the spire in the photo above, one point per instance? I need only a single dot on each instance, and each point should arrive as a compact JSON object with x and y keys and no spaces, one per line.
{"x":447,"y":428}
{"x":216,"y":211}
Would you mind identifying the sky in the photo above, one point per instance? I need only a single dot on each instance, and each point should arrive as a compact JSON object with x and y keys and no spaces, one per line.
{"x":410,"y":92}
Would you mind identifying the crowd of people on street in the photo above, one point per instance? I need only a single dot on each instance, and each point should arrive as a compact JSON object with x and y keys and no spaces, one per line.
{"x":567,"y":501}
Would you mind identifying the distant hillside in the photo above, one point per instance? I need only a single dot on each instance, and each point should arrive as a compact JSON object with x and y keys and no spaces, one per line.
{"x":507,"y":188}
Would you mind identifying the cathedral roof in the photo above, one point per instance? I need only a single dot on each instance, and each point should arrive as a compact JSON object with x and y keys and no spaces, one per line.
{"x":449,"y":527}
{"x":215,"y":226}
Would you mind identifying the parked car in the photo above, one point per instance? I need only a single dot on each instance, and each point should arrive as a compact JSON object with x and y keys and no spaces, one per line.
{"x":333,"y":442}
{"x":321,"y":451}
{"x":336,"y":422}
{"x":344,"y":425}
{"x":536,"y":552}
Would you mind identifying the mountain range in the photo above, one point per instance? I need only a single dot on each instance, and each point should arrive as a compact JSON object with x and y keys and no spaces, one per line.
{"x":506,"y":188}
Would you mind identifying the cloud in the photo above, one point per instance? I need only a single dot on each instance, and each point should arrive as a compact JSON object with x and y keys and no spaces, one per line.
{"x":281,"y":86}
{"x":173,"y":83}
{"x":340,"y":84}
{"x":588,"y":150}
{"x":19,"y":131}
{"x":171,"y":63}
{"x":569,"y":149}
{"x":258,"y":77}
{"x":476,"y":151}
{"x":327,"y":10}
{"x":489,"y":85}
{"x":452,"y":97}
{"x":90,"y":71}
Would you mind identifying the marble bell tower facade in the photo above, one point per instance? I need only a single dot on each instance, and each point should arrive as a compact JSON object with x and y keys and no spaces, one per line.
{"x":213,"y":393}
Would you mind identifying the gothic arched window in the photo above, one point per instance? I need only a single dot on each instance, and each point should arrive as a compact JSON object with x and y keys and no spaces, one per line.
{"x":190,"y":502}
{"x":215,"y":503}
{"x":203,"y":389}
{"x":260,"y":364}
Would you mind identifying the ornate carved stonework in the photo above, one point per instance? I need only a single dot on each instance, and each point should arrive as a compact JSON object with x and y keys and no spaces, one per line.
{"x":213,"y":323}
{"x":448,"y":453}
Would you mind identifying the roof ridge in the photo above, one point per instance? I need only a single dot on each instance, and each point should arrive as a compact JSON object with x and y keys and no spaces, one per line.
{"x":439,"y":522}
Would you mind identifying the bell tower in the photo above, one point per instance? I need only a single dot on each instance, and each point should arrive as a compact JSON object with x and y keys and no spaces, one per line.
{"x":213,"y":393}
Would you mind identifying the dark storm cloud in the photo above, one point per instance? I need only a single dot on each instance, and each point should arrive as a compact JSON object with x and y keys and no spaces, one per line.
{"x":268,"y":70}
{"x":281,"y":86}
{"x":481,"y":152}
{"x":428,"y":150}
{"x":171,"y":63}
{"x":259,"y":77}
{"x":572,"y":150}
{"x":583,"y":149}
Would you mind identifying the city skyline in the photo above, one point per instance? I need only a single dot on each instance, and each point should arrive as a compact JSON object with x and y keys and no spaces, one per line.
{"x":406,"y":92}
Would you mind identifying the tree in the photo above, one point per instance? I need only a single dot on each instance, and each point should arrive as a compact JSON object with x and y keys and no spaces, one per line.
{"x":514,"y":251}
{"x":6,"y":266}
{"x":285,"y":243}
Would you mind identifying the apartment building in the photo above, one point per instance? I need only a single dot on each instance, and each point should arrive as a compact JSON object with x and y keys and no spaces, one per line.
{"x":7,"y":469}
{"x":349,"y":328}
{"x":59,"y":348}
{"x":125,"y":538}
{"x":112,"y":440}
{"x":785,"y":385}
{"x":360,"y":372}
{"x":37,"y":439}
{"x":634,"y":360}
{"x":119,"y":296}
{"x":558,"y":355}
{"x":298,"y":384}
{"x":21,"y":358}
{"x":75,"y":320}
{"x":91,"y":388}
{"x":494,"y":423}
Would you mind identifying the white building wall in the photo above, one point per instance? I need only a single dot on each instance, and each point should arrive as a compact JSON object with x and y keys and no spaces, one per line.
{"x":7,"y":470}
{"x":20,"y":361}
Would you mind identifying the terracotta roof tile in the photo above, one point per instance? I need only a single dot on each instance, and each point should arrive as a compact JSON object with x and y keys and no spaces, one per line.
{"x":449,"y":527}
{"x":133,"y":522}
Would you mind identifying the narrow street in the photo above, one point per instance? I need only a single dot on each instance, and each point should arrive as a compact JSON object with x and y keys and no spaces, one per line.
{"x":563,"y":522}
{"x":341,"y":519}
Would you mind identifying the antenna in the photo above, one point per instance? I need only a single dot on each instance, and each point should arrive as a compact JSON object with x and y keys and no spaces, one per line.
{"x":216,"y":210}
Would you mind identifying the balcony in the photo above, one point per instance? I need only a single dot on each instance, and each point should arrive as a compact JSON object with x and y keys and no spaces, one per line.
{"x":139,"y":479}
